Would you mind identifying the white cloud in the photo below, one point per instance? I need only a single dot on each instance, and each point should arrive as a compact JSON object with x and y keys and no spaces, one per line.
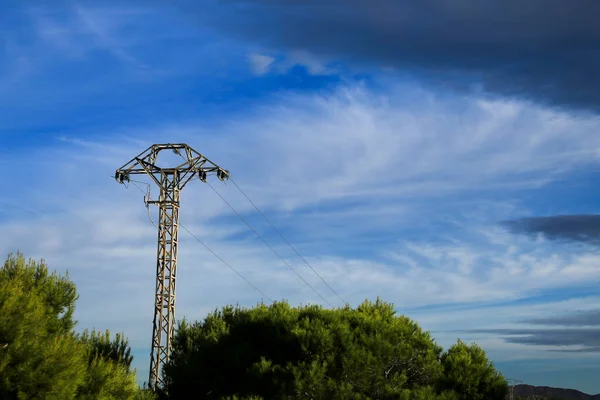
{"x":361,"y":146}
{"x":57,"y":53}
{"x":314,"y":65}
{"x":260,"y":64}
{"x":77,"y":31}
{"x":354,"y":163}
{"x":102,"y":27}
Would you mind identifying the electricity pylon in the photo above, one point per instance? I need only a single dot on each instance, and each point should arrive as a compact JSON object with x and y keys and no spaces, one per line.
{"x":170,"y":182}
{"x":512,"y":382}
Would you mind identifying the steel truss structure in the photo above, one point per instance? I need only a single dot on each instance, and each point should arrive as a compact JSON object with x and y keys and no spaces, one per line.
{"x":170,"y":181}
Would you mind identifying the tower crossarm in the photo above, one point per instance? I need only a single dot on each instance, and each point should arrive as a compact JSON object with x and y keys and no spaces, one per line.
{"x":194,"y":164}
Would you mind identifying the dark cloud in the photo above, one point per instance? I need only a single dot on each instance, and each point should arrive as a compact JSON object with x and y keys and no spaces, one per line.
{"x":578,"y":319}
{"x":589,"y":339}
{"x":571,"y":228}
{"x":586,"y":339}
{"x":545,"y":50}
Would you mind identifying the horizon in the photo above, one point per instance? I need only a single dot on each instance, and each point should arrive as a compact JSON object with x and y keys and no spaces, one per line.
{"x":453,"y":173}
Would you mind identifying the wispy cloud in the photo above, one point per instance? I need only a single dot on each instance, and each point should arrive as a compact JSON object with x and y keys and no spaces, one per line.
{"x":260,"y":63}
{"x":370,"y":151}
{"x":581,"y":318}
{"x":78,"y":31}
{"x":383,"y":168}
{"x":63,"y":60}
{"x":313,"y":64}
{"x":572,"y":332}
{"x":562,"y":340}
{"x":361,"y":145}
{"x":104,"y":36}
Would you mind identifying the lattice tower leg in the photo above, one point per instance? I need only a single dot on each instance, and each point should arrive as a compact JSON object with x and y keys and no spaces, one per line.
{"x":166,"y":273}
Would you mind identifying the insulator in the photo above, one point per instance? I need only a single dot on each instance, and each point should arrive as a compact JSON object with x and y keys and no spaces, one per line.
{"x":222,"y":174}
{"x":121,"y":177}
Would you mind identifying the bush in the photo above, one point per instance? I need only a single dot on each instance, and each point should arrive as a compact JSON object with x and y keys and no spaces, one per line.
{"x":282,"y":352}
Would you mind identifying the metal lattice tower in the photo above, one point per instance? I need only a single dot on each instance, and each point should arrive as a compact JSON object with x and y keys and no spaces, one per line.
{"x":170,"y":182}
{"x":512,"y":382}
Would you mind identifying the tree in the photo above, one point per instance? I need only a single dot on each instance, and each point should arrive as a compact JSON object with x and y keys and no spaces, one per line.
{"x":307,"y":352}
{"x":108,"y":368}
{"x":469,"y":373}
{"x":103,"y":346}
{"x":267,"y":352}
{"x":41,"y":357}
{"x":427,"y":393}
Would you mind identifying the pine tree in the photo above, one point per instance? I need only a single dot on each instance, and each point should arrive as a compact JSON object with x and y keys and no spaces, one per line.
{"x":285,"y":352}
{"x":41,"y":357}
{"x":468,"y":372}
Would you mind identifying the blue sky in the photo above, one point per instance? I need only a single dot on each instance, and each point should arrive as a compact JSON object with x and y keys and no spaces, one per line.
{"x":391,"y":169}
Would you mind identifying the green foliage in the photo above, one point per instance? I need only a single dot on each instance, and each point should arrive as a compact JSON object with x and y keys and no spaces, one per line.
{"x":57,"y":293}
{"x":108,"y":368}
{"x":427,"y":393}
{"x":146,"y":394}
{"x":107,"y":380}
{"x":101,"y":345}
{"x":40,"y":355}
{"x":282,"y":352}
{"x":468,"y":372}
{"x":267,"y":352}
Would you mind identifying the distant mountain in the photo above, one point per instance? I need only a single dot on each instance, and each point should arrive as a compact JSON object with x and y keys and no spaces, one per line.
{"x":550,"y":393}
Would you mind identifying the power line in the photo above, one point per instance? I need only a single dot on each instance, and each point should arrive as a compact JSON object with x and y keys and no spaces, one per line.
{"x":212,"y":251}
{"x":226,"y":263}
{"x":263,"y":240}
{"x":285,"y":240}
{"x":139,"y":188}
{"x":269,"y":246}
